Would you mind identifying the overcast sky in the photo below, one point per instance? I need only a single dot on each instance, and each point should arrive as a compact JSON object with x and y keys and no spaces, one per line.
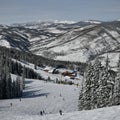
{"x":18,"y":11}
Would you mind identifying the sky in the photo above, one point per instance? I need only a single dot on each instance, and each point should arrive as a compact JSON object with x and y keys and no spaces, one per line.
{"x":19,"y":11}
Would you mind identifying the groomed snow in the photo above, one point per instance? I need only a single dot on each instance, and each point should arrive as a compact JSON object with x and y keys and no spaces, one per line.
{"x":39,"y":95}
{"x":51,"y":97}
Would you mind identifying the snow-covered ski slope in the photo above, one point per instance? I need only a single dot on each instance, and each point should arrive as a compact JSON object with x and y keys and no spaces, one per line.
{"x":50,"y":97}
{"x":39,"y":95}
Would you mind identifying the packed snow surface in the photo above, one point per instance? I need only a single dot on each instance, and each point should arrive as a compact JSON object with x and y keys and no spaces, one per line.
{"x":50,"y":97}
{"x":40,"y":95}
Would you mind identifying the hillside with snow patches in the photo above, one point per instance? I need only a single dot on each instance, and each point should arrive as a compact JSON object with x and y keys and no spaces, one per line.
{"x":65,"y":40}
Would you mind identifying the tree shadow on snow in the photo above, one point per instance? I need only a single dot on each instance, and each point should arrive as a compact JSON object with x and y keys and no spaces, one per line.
{"x":33,"y":93}
{"x":2,"y":108}
{"x":28,"y":82}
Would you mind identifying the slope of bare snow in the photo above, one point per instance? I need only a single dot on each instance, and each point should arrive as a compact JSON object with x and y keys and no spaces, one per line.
{"x":5,"y":43}
{"x":39,"y":95}
{"x":110,"y":113}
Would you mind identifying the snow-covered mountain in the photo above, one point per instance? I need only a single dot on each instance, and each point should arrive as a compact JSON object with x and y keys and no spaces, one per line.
{"x":68,"y":41}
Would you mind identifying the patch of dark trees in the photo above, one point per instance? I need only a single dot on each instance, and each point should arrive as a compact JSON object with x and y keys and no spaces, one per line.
{"x":41,"y":61}
{"x":13,"y":87}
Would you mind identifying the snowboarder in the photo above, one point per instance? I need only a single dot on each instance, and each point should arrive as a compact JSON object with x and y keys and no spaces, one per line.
{"x":11,"y":104}
{"x":60,"y":111}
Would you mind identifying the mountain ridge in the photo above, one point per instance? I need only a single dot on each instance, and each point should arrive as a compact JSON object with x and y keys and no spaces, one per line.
{"x":78,"y":41}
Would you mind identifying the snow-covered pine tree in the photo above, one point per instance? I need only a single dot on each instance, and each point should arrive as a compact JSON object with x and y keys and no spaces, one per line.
{"x":117,"y":86}
{"x":106,"y":86}
{"x":102,"y":90}
{"x":81,"y":99}
{"x":95,"y":83}
{"x":14,"y":91}
{"x":23,"y":77}
{"x":8,"y":79}
{"x":98,"y":87}
{"x":107,"y":61}
{"x":1,"y":81}
{"x":8,"y":86}
{"x":85,"y":97}
{"x":18,"y":86}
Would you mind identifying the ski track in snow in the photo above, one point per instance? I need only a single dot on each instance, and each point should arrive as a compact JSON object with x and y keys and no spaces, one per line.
{"x":34,"y":100}
{"x":39,"y":95}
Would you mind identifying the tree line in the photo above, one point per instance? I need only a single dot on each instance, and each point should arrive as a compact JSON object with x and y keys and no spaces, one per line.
{"x":101,"y":86}
{"x":13,"y":87}
{"x":9,"y":88}
{"x":39,"y":60}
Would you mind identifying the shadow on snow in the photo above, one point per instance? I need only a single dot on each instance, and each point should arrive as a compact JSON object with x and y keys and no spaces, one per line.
{"x":33,"y":93}
{"x":28,"y":82}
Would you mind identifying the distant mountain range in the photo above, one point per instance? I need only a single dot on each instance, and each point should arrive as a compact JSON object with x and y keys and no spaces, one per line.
{"x":64,"y":40}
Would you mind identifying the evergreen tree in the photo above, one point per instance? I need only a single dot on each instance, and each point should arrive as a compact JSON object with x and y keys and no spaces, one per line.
{"x":95,"y":83}
{"x":8,"y":86}
{"x":23,"y":77}
{"x":117,"y":86}
{"x":87,"y":89}
{"x":98,"y":88}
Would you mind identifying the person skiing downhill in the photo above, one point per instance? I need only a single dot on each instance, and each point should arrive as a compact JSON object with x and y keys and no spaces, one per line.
{"x":41,"y":113}
{"x":60,"y":111}
{"x":11,"y":104}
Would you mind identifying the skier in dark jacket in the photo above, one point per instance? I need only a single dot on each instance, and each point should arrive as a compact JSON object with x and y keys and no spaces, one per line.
{"x":60,"y":111}
{"x":11,"y":104}
{"x":41,"y":113}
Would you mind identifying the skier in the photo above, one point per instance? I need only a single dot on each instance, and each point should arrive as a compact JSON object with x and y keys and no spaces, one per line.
{"x":60,"y":111}
{"x":41,"y":113}
{"x":11,"y":104}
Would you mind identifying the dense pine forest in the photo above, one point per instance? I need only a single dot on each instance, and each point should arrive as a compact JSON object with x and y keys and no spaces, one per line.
{"x":39,"y":60}
{"x":101,"y":86}
{"x":11,"y":88}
